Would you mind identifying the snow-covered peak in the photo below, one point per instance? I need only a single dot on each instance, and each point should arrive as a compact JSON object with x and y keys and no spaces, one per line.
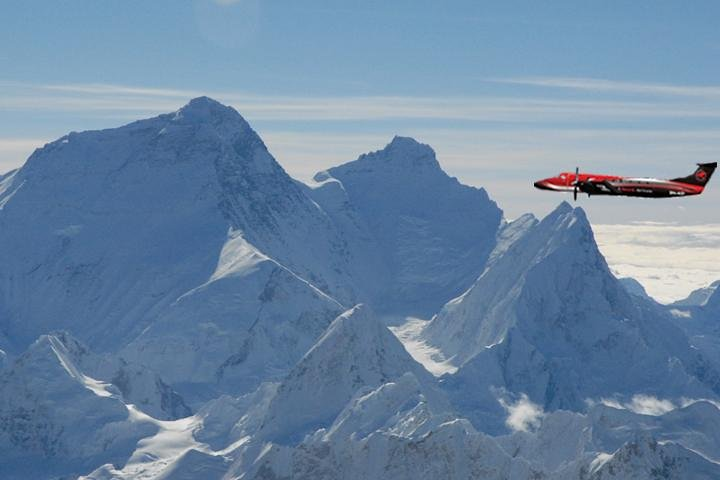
{"x":645,"y":457}
{"x":60,"y":359}
{"x":565,"y":216}
{"x":205,"y":109}
{"x":356,"y":353}
{"x":560,"y":248}
{"x":402,"y":156}
{"x":54,"y":417}
{"x":214,"y":122}
{"x":201,"y":126}
{"x":63,"y":345}
{"x":548,"y":319}
{"x":564,"y":207}
{"x":144,"y":209}
{"x":399,"y":142}
{"x":409,"y":149}
{"x":564,"y":225}
{"x":432,"y":233}
{"x":56,"y":357}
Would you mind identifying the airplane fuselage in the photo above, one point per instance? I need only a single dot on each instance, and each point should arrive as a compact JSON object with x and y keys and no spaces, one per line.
{"x":595,"y":184}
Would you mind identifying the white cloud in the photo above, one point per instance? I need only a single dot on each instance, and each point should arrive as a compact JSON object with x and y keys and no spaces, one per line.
{"x":112,"y":89}
{"x":642,"y":404}
{"x":613,"y":86}
{"x":649,"y":405}
{"x":523,"y":415}
{"x":113,"y":98}
{"x":669,"y":260}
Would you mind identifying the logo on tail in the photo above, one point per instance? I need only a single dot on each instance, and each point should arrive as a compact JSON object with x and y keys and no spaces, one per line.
{"x":701,"y":176}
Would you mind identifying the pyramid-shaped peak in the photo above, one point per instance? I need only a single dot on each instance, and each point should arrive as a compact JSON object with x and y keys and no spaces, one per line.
{"x":563,"y":210}
{"x":563,"y":207}
{"x":202,"y":109}
{"x":566,"y":218}
{"x":59,"y":348}
{"x":553,"y":259}
{"x":401,"y":148}
{"x":351,"y":336}
{"x":356,"y":352}
{"x":60,"y":340}
{"x":403,"y":154}
{"x":408,"y":144}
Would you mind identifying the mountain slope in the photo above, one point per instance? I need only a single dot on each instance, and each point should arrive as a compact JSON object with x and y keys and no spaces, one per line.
{"x":698,"y":297}
{"x":56,"y":419}
{"x":699,"y":318}
{"x":356,"y":352}
{"x":101,"y":231}
{"x":548,"y":319}
{"x":182,"y":251}
{"x":433,"y":233}
{"x":249,"y":323}
{"x":634,"y":287}
{"x":646,"y":458}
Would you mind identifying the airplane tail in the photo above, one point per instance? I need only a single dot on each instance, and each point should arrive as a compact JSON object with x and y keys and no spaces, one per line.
{"x":701,"y":176}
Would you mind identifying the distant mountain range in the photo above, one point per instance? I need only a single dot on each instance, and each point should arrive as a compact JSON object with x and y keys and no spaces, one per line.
{"x":173,"y":305}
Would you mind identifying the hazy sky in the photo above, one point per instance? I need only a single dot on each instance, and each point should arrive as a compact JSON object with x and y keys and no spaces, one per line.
{"x":506,"y":92}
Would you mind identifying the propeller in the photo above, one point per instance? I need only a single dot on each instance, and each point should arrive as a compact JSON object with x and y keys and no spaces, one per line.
{"x":577,"y":180}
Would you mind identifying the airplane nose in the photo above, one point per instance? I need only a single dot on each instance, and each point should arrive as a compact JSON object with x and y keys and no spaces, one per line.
{"x":540,"y":184}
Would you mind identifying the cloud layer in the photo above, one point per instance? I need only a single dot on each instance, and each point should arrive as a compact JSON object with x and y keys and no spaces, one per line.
{"x":669,"y":260}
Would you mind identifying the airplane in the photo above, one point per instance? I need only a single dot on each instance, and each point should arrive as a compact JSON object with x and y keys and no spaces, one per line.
{"x":629,"y":186}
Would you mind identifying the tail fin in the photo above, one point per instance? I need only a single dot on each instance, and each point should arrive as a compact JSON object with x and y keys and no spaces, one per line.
{"x":701,"y":176}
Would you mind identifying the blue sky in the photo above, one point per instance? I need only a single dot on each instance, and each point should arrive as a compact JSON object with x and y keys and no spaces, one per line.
{"x":506,"y":92}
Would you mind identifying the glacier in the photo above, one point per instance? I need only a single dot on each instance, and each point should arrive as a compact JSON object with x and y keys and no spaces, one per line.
{"x":173,"y":305}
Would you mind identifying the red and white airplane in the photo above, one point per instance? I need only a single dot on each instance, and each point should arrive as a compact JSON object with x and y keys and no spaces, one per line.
{"x":629,"y":186}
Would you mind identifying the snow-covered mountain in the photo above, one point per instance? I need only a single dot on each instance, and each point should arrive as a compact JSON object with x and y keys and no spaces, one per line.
{"x":566,"y":446}
{"x":226,"y":325}
{"x":100,"y":232}
{"x":249,"y":323}
{"x":182,"y":243}
{"x":346,"y":411}
{"x":548,"y":319}
{"x":432,"y":233}
{"x":699,"y":318}
{"x":356,"y":352}
{"x":355,"y":355}
{"x":56,"y":419}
